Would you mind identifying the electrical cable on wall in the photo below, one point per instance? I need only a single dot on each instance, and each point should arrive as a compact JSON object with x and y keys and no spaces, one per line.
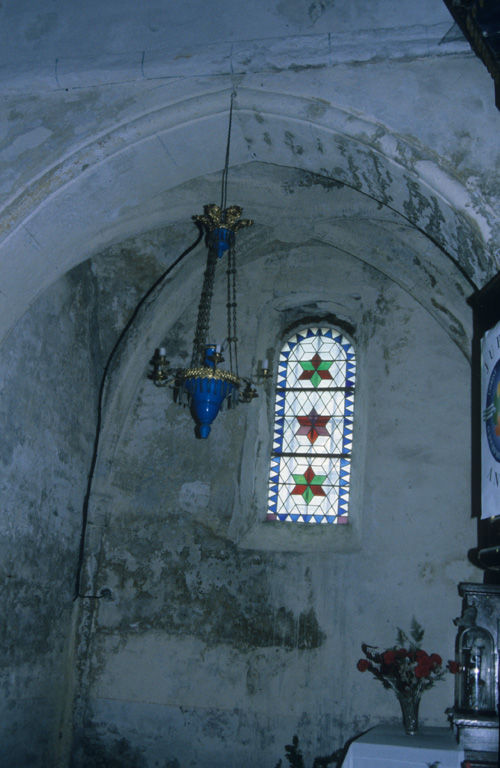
{"x":129,"y":324}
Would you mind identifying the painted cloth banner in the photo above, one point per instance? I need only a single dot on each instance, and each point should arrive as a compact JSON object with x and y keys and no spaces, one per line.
{"x":490,"y":428}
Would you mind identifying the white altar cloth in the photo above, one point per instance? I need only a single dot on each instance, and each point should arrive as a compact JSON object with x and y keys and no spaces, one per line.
{"x":387,"y":746}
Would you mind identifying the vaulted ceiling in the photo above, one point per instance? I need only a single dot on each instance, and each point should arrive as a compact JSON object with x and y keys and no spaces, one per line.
{"x":367,"y":127}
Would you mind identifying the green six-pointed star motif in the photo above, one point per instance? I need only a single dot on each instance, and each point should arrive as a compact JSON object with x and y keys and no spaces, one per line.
{"x":308,"y":485}
{"x":315,"y":370}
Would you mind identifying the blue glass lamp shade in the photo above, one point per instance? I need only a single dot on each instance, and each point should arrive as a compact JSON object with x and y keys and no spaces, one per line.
{"x":220,"y":239}
{"x":208,"y":392}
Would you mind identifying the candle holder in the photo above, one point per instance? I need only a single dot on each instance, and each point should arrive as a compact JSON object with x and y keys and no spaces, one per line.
{"x":162,"y":374}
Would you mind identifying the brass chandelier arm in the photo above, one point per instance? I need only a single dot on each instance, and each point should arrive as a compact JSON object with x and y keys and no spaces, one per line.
{"x":215,"y":217}
{"x":203,"y":372}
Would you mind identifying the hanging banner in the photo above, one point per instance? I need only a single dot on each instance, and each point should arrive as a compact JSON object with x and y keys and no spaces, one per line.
{"x":490,"y":429}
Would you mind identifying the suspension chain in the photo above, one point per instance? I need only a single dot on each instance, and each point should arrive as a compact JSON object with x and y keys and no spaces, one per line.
{"x":231,"y":310}
{"x":203,"y":321}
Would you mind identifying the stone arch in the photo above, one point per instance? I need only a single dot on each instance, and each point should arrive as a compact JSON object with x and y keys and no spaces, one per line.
{"x":120,"y":183}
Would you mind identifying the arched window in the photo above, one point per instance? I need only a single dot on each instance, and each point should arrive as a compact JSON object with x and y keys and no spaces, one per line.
{"x":312,"y":441}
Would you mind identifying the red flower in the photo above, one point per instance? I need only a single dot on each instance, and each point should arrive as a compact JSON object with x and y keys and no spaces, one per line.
{"x":425,"y":664}
{"x":421,"y":656}
{"x":389,"y":657}
{"x":406,"y":666}
{"x":422,"y":670}
{"x":453,"y":666}
{"x":363,"y":665}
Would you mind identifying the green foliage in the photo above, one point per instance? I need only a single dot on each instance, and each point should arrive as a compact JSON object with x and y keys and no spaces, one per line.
{"x":296,"y":759}
{"x":334,"y":758}
{"x":417,"y":632}
{"x":416,"y":635}
{"x":293,"y":754}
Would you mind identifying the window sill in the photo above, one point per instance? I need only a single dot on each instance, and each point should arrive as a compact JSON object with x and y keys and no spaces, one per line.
{"x":301,"y":537}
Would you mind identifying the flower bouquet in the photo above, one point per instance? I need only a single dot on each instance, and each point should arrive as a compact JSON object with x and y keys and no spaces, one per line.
{"x":407,"y":669}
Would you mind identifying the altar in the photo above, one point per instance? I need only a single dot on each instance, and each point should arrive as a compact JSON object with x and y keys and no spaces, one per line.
{"x":388,"y":746}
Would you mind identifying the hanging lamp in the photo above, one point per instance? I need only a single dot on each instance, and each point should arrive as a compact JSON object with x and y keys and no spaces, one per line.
{"x":206,"y":385}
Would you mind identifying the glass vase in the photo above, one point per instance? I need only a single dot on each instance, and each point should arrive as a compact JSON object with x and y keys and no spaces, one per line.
{"x":409,"y":707}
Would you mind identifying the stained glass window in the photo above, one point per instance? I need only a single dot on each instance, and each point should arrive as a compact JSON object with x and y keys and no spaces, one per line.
{"x":312,"y":440}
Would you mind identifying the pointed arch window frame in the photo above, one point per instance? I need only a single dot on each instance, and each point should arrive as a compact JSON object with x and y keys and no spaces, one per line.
{"x":313,"y":428}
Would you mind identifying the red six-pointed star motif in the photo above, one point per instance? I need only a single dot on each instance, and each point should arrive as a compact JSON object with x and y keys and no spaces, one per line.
{"x":313,"y":426}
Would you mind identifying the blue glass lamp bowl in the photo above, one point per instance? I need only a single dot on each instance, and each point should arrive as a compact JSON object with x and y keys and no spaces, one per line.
{"x":207,"y":395}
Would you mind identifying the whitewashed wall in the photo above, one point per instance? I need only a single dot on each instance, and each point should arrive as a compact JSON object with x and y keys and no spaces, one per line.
{"x":210,"y":652}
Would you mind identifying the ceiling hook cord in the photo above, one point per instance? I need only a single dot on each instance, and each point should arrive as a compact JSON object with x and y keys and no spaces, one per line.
{"x":226,"y":163}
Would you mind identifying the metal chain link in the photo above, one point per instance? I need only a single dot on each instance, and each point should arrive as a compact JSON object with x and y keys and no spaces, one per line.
{"x":203,"y":321}
{"x":231,"y":309}
{"x":229,"y":306}
{"x":234,"y":330}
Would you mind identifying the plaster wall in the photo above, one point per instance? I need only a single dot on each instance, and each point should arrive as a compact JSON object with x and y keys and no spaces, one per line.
{"x":50,"y":374}
{"x":48,"y":413}
{"x":210,"y":650}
